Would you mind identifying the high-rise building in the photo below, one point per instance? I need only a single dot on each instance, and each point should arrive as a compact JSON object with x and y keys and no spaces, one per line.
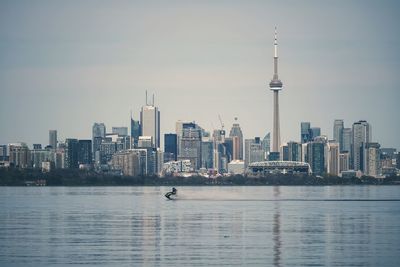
{"x":237,"y":141}
{"x":254,"y":151}
{"x":316,"y":156}
{"x":276,"y":85}
{"x":284,"y":153}
{"x":3,"y":153}
{"x":333,"y":166}
{"x":150,"y":122}
{"x":294,"y":151}
{"x":190,"y":144}
{"x":223,"y":149}
{"x":122,"y":131}
{"x":373,"y":154}
{"x":266,"y":144}
{"x":207,"y":150}
{"x":107,"y":149}
{"x":171,"y":145}
{"x":305,"y":134}
{"x":361,"y":136}
{"x":344,"y":161}
{"x":315,"y":132}
{"x":304,"y":156}
{"x":338,"y":126}
{"x":346,"y":140}
{"x":71,"y":153}
{"x":53,"y":139}
{"x":98,"y":133}
{"x":127,"y":161}
{"x":135,"y":131}
{"x":85,"y":152}
{"x":39,"y":155}
{"x":19,"y":155}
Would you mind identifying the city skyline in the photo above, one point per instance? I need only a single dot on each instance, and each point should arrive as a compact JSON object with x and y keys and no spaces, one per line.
{"x":199,"y":69}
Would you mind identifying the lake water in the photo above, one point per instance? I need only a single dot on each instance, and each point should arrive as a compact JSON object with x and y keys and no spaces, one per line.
{"x":259,"y":226}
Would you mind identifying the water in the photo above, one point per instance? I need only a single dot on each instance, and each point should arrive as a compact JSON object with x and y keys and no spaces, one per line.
{"x":260,"y":226}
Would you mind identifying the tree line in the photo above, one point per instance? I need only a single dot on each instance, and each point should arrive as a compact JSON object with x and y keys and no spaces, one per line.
{"x":76,"y":177}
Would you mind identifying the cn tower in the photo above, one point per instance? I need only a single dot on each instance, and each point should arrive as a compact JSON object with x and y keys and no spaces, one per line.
{"x":276,"y":85}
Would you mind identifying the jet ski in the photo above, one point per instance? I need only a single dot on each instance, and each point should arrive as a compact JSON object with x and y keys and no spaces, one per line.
{"x":171,"y":195}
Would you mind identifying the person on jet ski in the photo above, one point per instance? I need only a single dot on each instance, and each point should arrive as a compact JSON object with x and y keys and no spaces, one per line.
{"x":173,"y":192}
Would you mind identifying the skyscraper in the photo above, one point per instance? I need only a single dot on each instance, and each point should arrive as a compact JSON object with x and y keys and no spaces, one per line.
{"x":150,"y":122}
{"x":315,"y":132}
{"x":333,"y":165}
{"x":254,"y":151}
{"x":237,"y":141}
{"x":305,"y":134}
{"x":85,"y":152}
{"x":338,"y":126}
{"x":190,"y":144}
{"x":276,"y":85}
{"x":372,"y":159}
{"x":135,"y":131}
{"x":98,"y":133}
{"x":120,"y":130}
{"x":266,"y":144}
{"x":71,"y":153}
{"x":207,"y":152}
{"x":316,"y":156}
{"x":361,"y":136}
{"x":171,"y":146}
{"x":53,"y":139}
{"x":294,"y":151}
{"x":346,"y":140}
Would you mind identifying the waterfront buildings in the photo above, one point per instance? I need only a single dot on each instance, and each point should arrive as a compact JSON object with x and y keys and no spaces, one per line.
{"x":333,"y":161}
{"x":207,"y":152}
{"x":294,"y":151}
{"x":372,"y":159}
{"x":315,"y":132}
{"x":361,"y":136}
{"x":237,"y":141}
{"x":346,"y":140}
{"x":266,"y":144}
{"x":190,"y":144}
{"x":305,"y":132}
{"x":344,"y":161}
{"x":254,"y":151}
{"x":316,"y":155}
{"x":135,"y":131}
{"x":85,"y":152}
{"x":98,"y":133}
{"x":150,"y":123}
{"x":171,"y":147}
{"x":338,"y":126}
{"x":122,"y":131}
{"x":53,"y":139}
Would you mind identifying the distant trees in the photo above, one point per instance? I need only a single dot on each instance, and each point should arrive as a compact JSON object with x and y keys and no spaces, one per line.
{"x":76,"y":177}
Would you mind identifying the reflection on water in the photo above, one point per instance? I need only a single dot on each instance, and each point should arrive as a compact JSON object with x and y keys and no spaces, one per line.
{"x":277,"y":228}
{"x":260,"y":226}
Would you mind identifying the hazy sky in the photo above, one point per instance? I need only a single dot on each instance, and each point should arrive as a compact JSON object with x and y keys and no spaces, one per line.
{"x":67,"y":64}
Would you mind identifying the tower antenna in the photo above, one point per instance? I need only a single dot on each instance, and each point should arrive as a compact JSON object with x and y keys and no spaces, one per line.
{"x":146,"y":97}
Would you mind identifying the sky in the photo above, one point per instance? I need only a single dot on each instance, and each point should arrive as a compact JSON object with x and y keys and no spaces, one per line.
{"x":67,"y":64}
